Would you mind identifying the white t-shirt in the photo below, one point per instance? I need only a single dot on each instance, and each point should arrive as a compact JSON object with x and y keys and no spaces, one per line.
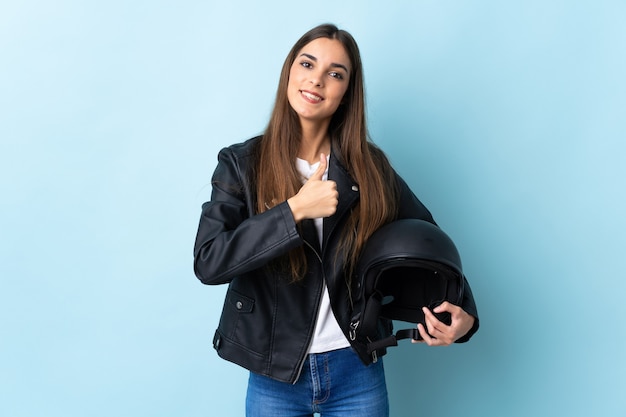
{"x":328,"y":335}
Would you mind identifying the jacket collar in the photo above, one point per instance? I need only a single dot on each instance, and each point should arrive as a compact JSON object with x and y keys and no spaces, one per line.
{"x":348,"y":191}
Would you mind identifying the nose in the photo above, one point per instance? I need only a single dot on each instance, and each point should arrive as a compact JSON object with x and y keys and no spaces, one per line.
{"x":316,"y":79}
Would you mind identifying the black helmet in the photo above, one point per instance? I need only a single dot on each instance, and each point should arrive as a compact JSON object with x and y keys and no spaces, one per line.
{"x":404,"y":266}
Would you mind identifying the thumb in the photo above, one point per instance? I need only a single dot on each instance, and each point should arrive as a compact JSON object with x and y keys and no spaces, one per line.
{"x":442,"y":307}
{"x":319,"y":172}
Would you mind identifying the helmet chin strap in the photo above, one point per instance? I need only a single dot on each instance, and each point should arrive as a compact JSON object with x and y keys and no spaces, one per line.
{"x":392,"y":340}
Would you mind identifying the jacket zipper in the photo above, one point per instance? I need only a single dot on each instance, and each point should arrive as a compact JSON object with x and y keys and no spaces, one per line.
{"x":303,"y":359}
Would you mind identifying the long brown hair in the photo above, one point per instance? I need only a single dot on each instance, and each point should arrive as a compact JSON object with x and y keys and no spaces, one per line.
{"x":277,"y":178}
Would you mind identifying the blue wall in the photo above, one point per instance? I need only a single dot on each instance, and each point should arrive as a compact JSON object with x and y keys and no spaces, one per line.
{"x":506,"y":118}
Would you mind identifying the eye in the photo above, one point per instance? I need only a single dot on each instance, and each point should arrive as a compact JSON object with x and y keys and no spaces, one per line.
{"x":306,"y":64}
{"x":336,"y":75}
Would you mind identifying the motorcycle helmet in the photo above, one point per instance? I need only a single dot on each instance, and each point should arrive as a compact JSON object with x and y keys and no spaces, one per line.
{"x":404,"y":266}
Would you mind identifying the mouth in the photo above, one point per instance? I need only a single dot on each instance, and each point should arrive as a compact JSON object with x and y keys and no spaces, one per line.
{"x":311,"y":97}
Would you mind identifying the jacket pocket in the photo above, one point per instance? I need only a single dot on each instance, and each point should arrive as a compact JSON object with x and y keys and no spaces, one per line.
{"x":239,"y":303}
{"x":236,"y":305}
{"x":242,"y":336}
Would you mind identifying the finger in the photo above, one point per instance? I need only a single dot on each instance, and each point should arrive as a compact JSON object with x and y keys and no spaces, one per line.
{"x":321,"y":169}
{"x":446,"y":306}
{"x":428,"y":315}
{"x":423,"y":333}
{"x":433,"y":324}
{"x":427,"y":338}
{"x":442,"y":307}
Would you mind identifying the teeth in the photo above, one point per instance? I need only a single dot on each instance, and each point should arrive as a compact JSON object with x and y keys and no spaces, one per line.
{"x":311,"y":96}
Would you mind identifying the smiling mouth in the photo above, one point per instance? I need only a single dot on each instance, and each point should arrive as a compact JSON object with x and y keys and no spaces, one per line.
{"x":311,"y":96}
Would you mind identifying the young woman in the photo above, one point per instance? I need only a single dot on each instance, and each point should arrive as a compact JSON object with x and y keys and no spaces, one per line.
{"x":289,"y":213}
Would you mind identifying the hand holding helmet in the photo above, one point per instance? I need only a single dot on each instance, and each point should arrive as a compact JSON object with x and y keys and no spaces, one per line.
{"x":438,"y":333}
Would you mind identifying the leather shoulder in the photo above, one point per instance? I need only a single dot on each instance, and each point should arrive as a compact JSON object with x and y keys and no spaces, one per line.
{"x":244,"y":149}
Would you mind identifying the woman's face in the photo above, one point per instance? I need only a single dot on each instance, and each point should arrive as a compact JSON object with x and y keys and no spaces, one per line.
{"x":318,"y":80}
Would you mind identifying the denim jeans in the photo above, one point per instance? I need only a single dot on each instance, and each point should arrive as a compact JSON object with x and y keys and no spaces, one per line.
{"x":333,"y":384}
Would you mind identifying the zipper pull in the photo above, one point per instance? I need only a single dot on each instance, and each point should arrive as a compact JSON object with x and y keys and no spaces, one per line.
{"x":353,"y":327}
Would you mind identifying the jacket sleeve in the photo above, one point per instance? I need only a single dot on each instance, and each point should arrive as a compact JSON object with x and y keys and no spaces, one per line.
{"x":411,"y":207}
{"x":231,"y":240}
{"x":469,"y":306}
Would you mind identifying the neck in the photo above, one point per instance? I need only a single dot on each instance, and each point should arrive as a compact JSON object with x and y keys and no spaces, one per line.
{"x":315,"y":140}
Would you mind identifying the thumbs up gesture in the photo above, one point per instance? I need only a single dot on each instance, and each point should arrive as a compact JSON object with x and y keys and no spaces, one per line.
{"x":317,"y":198}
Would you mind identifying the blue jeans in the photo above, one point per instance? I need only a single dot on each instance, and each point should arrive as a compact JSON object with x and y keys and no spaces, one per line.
{"x":333,"y":384}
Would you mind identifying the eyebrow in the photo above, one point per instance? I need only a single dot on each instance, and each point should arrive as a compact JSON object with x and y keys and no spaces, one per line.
{"x":333,"y":64}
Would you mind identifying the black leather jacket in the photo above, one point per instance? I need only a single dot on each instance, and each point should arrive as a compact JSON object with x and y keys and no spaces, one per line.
{"x":267,"y":322}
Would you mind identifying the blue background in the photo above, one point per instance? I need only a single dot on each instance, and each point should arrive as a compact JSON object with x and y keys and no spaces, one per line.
{"x":506,"y":118}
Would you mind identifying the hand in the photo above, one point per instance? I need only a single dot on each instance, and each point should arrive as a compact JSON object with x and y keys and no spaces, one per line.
{"x":440,"y":334}
{"x":316,"y":198}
